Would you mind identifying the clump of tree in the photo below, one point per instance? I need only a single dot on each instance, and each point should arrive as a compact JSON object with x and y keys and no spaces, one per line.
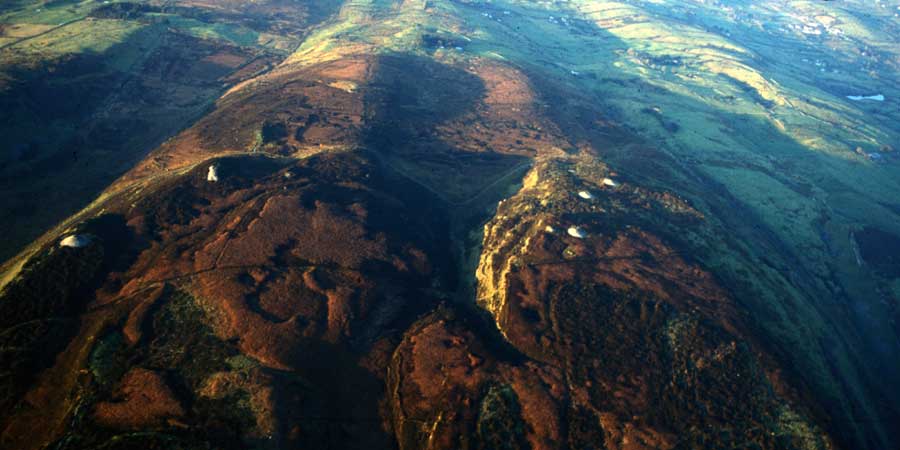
{"x":500,"y":423}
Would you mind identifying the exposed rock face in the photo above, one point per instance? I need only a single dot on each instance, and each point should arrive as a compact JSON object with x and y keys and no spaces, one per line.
{"x":633,"y":328}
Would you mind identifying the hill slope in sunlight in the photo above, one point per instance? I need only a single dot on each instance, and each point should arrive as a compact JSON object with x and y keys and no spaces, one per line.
{"x":450,"y":224}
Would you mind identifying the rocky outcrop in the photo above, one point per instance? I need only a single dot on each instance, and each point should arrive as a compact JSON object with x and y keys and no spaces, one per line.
{"x":633,"y":326}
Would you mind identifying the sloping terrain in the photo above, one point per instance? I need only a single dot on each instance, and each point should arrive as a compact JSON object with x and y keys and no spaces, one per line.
{"x":88,"y":88}
{"x":450,"y":224}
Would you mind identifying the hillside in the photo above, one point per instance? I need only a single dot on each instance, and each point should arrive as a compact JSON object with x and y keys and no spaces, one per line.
{"x":450,"y":224}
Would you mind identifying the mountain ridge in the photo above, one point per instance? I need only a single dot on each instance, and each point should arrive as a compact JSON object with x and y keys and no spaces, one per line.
{"x":394,"y":207}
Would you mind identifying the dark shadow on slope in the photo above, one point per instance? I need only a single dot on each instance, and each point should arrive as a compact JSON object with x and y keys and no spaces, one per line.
{"x":408,"y":99}
{"x":73,"y":125}
{"x":880,"y":249}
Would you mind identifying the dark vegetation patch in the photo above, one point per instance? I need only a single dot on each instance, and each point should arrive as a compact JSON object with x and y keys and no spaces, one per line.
{"x":273,"y":132}
{"x":500,"y":424}
{"x":179,"y":207}
{"x":310,"y":120}
{"x":39,"y":309}
{"x":689,"y":376}
{"x":433,"y":41}
{"x":583,"y":431}
{"x":182,"y":347}
{"x":182,"y":341}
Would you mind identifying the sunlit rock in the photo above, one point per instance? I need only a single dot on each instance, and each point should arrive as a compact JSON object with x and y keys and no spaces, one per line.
{"x":212,"y":175}
{"x":576,"y":232}
{"x":75,"y":241}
